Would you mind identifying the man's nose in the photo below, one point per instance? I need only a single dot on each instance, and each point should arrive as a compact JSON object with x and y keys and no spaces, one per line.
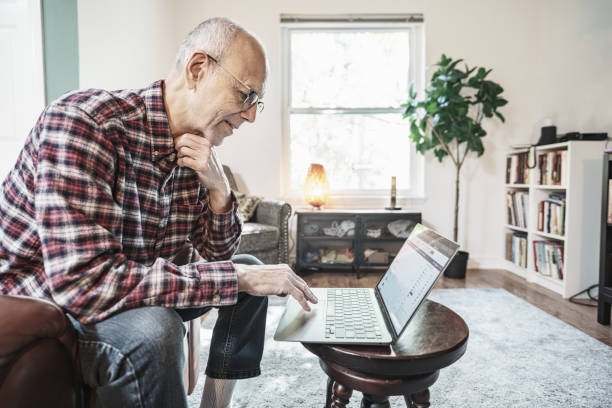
{"x":250,"y":113}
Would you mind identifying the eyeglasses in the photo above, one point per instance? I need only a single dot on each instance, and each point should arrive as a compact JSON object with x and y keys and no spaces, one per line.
{"x":252,"y":98}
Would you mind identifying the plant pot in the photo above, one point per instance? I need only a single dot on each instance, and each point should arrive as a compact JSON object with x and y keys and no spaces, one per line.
{"x":458,"y":266}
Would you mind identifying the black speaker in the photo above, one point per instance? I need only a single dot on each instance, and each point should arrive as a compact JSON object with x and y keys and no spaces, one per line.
{"x":548,"y":135}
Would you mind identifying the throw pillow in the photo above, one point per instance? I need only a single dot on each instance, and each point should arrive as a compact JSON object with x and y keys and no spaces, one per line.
{"x":247,"y":205}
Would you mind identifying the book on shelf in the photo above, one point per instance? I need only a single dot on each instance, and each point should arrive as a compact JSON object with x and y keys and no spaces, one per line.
{"x":548,"y":258}
{"x":517,"y":202}
{"x":553,"y":168}
{"x":517,"y":171}
{"x":516,"y":248}
{"x":551,"y":214}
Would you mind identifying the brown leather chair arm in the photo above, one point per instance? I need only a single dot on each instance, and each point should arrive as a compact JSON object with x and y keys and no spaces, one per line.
{"x":41,"y":376}
{"x":24,"y":320}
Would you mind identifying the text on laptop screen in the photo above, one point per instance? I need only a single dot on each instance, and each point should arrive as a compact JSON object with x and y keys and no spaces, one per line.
{"x":412,"y":273}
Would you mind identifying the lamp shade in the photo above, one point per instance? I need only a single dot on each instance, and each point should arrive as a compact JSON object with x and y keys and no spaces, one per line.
{"x":316,"y":188}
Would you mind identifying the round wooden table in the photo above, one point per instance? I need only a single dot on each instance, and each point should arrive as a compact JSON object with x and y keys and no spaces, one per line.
{"x":435,"y":338}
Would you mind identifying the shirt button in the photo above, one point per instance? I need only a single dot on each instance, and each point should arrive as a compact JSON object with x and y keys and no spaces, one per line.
{"x":216,"y":299}
{"x":155,"y":153}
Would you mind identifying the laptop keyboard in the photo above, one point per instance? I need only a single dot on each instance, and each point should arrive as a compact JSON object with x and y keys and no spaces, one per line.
{"x":350,"y":315}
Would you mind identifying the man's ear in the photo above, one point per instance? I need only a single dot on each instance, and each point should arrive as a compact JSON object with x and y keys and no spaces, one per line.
{"x":196,"y":67}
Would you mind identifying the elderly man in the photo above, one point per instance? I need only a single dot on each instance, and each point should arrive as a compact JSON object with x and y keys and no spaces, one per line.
{"x":109,"y":187}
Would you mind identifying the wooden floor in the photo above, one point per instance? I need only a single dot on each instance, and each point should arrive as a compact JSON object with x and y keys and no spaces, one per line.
{"x":581,"y":317}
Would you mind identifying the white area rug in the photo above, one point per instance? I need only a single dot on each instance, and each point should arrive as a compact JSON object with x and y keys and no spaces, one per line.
{"x":517,"y":356}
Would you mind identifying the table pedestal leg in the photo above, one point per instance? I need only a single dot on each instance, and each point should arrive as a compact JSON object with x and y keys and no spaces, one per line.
{"x":340,"y":395}
{"x":328,"y":395}
{"x":418,"y":400}
{"x":375,"y":401}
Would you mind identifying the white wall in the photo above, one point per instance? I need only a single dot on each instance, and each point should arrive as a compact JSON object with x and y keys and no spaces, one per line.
{"x":125,"y":44}
{"x":553,"y":58}
{"x":22,"y":87}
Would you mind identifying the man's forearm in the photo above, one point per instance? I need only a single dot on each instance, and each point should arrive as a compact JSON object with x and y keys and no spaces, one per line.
{"x":220,"y":200}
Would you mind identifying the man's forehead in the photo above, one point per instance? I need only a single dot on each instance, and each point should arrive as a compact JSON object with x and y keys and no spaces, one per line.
{"x":247,"y":59}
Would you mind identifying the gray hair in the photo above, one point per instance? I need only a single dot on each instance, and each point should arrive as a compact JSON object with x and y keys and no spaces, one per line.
{"x":213,"y":36}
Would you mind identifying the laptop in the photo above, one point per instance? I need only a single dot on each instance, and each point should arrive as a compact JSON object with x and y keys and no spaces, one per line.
{"x":369,"y":316}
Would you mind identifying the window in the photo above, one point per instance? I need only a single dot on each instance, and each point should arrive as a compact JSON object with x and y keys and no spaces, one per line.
{"x":344,"y":83}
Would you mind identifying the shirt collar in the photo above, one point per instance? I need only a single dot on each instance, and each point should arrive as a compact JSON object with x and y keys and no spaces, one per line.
{"x":162,"y":143}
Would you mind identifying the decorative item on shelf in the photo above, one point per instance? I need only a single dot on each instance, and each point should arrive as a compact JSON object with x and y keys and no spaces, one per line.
{"x":312,"y":256}
{"x":346,"y":227}
{"x":392,"y":205}
{"x":376,"y":255}
{"x":441,"y":121}
{"x":316,"y":188}
{"x":345,"y":256}
{"x":311,"y":228}
{"x":373,"y":232}
{"x":328,"y":255}
{"x":400,"y":228}
{"x":548,"y":135}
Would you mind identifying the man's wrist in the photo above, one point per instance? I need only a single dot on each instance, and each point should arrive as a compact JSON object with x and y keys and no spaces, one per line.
{"x":220,"y":200}
{"x":239,"y":277}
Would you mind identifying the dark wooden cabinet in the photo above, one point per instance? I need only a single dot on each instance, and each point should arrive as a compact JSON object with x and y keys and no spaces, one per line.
{"x":351,"y":239}
{"x":604,"y":302}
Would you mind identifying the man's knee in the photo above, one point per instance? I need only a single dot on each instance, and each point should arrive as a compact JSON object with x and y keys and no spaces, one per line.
{"x":246,"y":259}
{"x":252,"y":305}
{"x":144,"y":341}
{"x":159,"y":332}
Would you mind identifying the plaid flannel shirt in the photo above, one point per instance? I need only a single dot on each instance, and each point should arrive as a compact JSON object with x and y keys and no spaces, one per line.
{"x":96,"y":206}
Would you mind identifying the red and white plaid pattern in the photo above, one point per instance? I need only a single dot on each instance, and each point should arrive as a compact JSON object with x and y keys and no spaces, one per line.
{"x":96,"y":205}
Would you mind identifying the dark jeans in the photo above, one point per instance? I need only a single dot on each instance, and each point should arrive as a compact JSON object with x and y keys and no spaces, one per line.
{"x":135,"y":358}
{"x":238,"y":337}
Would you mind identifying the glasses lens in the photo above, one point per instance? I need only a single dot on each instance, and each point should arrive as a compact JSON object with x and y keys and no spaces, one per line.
{"x":251,"y":99}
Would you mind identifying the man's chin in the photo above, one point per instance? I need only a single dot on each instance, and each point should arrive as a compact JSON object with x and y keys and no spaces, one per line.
{"x":220,"y":133}
{"x":215,"y":136}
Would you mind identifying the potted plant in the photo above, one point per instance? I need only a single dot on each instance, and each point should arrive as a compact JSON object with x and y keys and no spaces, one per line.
{"x":448,"y":121}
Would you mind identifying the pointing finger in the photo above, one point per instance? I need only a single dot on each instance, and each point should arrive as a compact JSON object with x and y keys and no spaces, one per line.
{"x":303,"y":286}
{"x":299,"y":296}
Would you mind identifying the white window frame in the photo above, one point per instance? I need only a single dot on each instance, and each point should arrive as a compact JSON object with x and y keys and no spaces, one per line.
{"x":416,"y":75}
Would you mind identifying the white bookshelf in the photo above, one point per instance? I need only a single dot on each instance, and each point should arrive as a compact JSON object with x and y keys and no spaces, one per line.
{"x":582,"y":217}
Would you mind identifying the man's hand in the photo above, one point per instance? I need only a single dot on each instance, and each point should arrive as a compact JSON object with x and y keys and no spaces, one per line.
{"x":197,"y":153}
{"x":280,"y":280}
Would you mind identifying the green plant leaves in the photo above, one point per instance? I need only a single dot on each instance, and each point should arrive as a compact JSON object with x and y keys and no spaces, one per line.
{"x":456,"y":100}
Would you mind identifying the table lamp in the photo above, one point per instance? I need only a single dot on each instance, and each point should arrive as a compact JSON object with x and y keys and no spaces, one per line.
{"x":316,"y":188}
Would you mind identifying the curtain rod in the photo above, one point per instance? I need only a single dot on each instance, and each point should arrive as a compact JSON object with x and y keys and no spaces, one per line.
{"x":352,"y":18}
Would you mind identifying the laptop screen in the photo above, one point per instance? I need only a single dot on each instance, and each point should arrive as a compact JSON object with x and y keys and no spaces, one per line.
{"x":413,"y":272}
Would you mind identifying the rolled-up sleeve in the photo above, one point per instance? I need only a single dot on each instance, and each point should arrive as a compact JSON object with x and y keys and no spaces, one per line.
{"x":216,"y":237}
